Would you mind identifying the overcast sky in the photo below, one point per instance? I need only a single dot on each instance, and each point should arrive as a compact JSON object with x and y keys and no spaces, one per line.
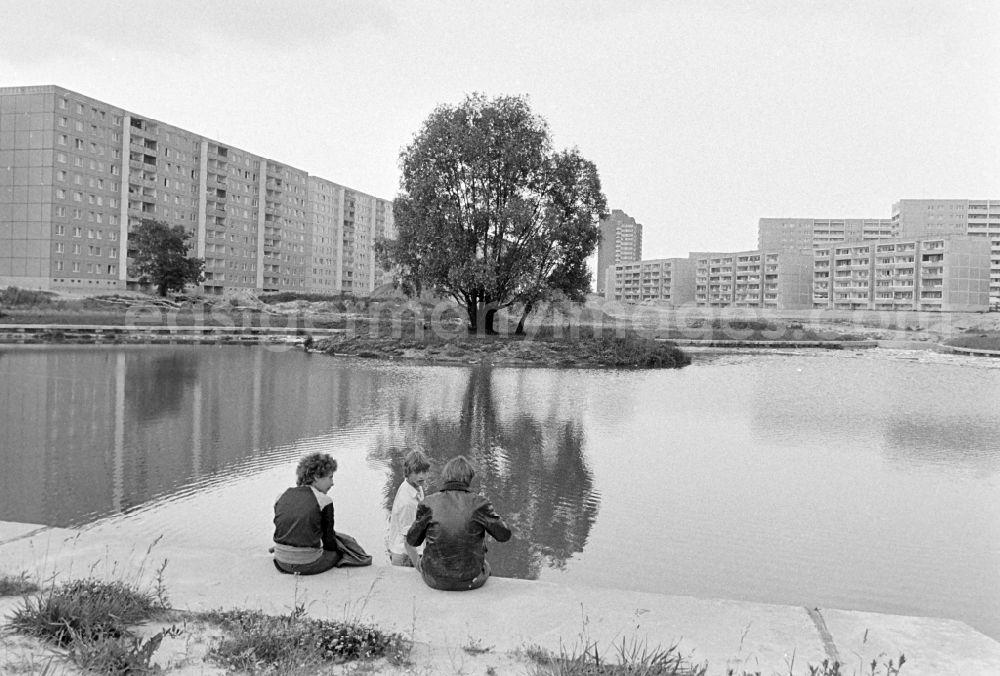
{"x":702,"y":116}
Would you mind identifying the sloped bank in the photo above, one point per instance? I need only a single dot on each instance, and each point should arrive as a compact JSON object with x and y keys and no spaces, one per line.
{"x":633,"y":352}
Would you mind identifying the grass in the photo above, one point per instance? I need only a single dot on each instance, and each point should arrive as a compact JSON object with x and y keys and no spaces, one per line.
{"x":16,"y":585}
{"x":977,"y":341}
{"x":634,"y":658}
{"x":753,"y":330}
{"x":257,"y":643}
{"x":90,"y":619}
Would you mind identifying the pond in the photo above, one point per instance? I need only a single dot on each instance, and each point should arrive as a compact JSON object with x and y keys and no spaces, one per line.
{"x":840,"y":480}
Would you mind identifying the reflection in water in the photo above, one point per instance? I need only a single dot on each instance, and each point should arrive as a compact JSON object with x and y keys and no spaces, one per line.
{"x":92,"y":431}
{"x":951,"y":440}
{"x":533,"y":470}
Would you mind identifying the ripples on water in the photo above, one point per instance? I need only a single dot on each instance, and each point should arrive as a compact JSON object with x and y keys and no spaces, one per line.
{"x":856,"y":480}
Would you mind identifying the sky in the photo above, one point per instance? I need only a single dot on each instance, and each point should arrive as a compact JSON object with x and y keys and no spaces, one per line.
{"x":702,"y":116}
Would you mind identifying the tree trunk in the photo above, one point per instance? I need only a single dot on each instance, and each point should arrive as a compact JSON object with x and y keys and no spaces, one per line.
{"x":519,"y":331}
{"x":481,"y":318}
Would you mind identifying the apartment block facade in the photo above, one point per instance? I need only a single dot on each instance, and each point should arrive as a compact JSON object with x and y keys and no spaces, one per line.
{"x":806,"y":233}
{"x":915,"y":218}
{"x":668,"y":281}
{"x":932,"y":274}
{"x":621,"y":242}
{"x":77,"y":175}
{"x":779,"y":279}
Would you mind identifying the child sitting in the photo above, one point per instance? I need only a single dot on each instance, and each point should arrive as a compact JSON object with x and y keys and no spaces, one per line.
{"x":404,"y":510}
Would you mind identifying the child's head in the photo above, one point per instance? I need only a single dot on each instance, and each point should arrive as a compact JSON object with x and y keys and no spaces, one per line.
{"x":415,"y":468}
{"x":458,"y":469}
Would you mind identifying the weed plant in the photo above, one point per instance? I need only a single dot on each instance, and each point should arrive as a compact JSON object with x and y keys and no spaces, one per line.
{"x":89,"y":619}
{"x":632,"y":658}
{"x":257,"y":643}
{"x":16,"y":585}
{"x":12,"y":296}
{"x":977,"y":341}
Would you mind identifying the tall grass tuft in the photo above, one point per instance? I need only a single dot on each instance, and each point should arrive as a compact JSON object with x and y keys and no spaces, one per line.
{"x":633,"y":658}
{"x":89,"y":618}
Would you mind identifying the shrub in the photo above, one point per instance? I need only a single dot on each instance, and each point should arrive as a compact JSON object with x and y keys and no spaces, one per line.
{"x":16,"y":585}
{"x":90,"y":618}
{"x":13,"y":296}
{"x":260,"y":643}
{"x":84,"y":609}
{"x":289,"y":296}
{"x":633,"y":658}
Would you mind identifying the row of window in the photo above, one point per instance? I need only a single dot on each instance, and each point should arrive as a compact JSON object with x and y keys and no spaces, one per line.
{"x":89,"y":268}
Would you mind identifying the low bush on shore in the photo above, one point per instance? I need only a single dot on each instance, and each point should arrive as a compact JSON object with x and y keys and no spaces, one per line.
{"x":630,"y":350}
{"x":16,"y":585}
{"x":257,"y":643}
{"x":90,"y":619}
{"x":977,"y":341}
{"x":631,"y":659}
{"x":13,"y":296}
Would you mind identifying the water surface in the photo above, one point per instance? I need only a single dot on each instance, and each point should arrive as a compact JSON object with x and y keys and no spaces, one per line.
{"x":837,"y":480}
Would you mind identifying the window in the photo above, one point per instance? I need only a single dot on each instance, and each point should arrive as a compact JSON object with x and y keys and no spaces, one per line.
{"x":76,"y":248}
{"x":62,"y":104}
{"x":61,"y":140}
{"x":60,"y":211}
{"x":76,"y":266}
{"x":61,"y":157}
{"x":59,"y":247}
{"x":77,"y":231}
{"x":78,"y":143}
{"x":78,"y":125}
{"x":60,"y":193}
{"x":59,"y":265}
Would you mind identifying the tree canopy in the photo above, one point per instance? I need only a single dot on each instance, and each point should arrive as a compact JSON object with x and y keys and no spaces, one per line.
{"x":160,"y":257}
{"x":489,"y":214}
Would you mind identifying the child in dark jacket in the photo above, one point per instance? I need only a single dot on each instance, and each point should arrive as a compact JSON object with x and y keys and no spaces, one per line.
{"x":452,"y":524}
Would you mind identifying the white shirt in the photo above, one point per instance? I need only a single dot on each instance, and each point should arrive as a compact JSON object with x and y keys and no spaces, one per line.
{"x":404,"y":512}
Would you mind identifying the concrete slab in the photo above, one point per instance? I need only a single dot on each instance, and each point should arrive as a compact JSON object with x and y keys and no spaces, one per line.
{"x":931,"y":645}
{"x":508,"y":615}
{"x":10,"y":530}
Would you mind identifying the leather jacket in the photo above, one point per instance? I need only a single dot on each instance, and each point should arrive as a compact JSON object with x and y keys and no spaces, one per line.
{"x":452,"y":524}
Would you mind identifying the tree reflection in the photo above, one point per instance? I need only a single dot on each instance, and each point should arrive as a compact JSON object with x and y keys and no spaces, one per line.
{"x":531,"y":468}
{"x":157,"y":385}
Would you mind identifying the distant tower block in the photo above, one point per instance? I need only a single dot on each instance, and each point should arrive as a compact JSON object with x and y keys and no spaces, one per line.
{"x":621,"y":242}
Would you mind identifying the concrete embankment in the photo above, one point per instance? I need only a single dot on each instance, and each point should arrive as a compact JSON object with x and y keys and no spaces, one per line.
{"x":506,"y":616}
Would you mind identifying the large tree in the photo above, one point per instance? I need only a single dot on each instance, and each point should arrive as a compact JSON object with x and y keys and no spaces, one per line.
{"x":160,"y":256}
{"x":489,"y":214}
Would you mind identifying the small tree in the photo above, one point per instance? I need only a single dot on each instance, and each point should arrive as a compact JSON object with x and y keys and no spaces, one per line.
{"x":160,"y":256}
{"x":489,"y":214}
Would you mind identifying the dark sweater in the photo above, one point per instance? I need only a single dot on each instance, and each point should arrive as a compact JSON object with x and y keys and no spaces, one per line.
{"x":303,"y":517}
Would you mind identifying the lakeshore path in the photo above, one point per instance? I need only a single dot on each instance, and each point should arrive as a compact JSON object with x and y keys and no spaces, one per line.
{"x":489,"y":629}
